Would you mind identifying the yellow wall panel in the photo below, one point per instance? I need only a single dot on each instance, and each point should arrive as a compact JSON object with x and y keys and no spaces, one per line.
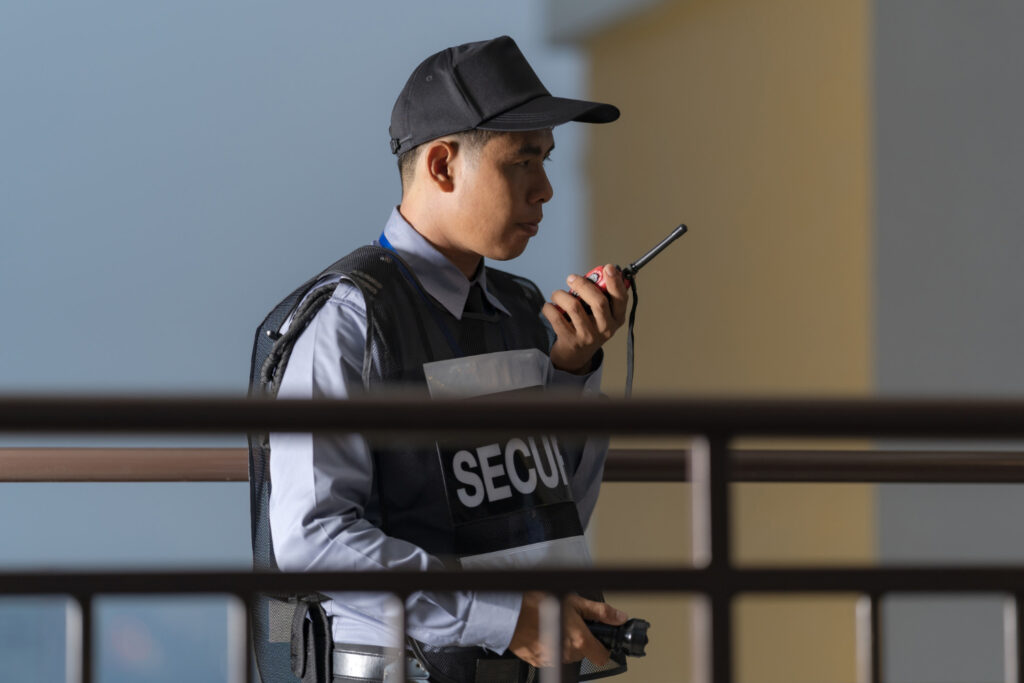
{"x":749,"y":121}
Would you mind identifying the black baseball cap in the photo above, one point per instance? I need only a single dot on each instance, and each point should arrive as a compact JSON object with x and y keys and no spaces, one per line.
{"x":487,"y":85}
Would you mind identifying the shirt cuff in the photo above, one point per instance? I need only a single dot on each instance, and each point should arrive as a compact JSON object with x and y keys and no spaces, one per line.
{"x":492,"y":620}
{"x":588,"y":384}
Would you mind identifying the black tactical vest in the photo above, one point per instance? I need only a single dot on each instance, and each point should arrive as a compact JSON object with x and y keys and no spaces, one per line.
{"x":406,"y":328}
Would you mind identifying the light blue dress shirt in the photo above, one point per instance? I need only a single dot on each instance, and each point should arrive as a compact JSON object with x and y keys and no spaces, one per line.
{"x":322,"y":483}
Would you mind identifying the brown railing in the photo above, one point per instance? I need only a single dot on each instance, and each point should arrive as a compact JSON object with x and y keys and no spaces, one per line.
{"x":115,"y":464}
{"x":709,"y":464}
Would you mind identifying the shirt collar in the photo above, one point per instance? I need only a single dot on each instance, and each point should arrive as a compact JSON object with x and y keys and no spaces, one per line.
{"x":439,"y":276}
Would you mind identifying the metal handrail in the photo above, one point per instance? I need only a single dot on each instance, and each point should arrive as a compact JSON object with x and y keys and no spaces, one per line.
{"x":622,"y":465}
{"x":685,"y":579}
{"x":711,"y":464}
{"x":411,"y":416}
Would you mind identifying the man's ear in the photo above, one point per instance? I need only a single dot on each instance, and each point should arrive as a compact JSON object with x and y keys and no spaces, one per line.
{"x":440,"y":161}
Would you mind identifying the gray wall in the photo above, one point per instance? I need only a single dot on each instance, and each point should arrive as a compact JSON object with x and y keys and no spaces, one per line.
{"x":950,"y":233}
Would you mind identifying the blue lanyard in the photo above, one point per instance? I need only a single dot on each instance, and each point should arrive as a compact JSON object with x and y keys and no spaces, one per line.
{"x":431,"y":306}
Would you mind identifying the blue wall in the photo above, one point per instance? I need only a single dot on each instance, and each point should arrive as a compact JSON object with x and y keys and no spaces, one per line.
{"x":168,"y":171}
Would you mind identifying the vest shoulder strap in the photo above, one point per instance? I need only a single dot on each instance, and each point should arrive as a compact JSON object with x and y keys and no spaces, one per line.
{"x":271,"y":348}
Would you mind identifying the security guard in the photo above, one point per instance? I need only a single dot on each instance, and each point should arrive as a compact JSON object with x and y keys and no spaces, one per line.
{"x":418,"y":309}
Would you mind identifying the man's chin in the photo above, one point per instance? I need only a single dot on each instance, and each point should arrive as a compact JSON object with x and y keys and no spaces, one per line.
{"x":509,"y":252}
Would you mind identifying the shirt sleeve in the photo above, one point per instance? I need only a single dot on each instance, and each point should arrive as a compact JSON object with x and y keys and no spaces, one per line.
{"x":586,"y":480}
{"x":322,"y":485}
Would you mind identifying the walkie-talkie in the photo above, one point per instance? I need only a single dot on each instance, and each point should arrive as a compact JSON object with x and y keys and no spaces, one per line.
{"x":596,"y":275}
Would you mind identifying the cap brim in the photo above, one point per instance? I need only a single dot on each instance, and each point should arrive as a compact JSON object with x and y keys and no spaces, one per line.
{"x":547,"y":111}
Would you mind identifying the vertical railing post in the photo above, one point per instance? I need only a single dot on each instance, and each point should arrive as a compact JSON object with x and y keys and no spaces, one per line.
{"x":700,"y":640}
{"x":400,"y":626}
{"x":78,"y":639}
{"x":239,"y":657}
{"x":1013,"y":639}
{"x":719,"y":471}
{"x":85,"y":601}
{"x":710,"y":475}
{"x":72,"y":641}
{"x":552,"y":633}
{"x":869,"y":643}
{"x":700,"y":545}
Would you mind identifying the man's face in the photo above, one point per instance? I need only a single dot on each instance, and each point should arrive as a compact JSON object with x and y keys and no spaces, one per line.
{"x":501,"y":194}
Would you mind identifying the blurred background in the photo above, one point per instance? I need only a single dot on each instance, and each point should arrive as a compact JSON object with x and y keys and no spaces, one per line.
{"x":849,"y":170}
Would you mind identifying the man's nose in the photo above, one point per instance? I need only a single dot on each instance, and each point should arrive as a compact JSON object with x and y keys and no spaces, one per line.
{"x":541,"y":191}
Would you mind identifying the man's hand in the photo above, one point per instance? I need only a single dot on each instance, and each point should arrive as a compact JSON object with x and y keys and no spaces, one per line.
{"x":578,"y":642}
{"x":582,"y":334}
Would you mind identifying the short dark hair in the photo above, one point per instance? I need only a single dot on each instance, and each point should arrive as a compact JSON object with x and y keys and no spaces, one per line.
{"x":471,"y":140}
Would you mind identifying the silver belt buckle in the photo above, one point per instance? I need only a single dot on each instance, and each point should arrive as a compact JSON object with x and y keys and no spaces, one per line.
{"x":356,"y":662}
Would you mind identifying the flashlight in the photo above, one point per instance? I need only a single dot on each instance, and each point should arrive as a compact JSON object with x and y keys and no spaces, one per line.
{"x":629,"y":639}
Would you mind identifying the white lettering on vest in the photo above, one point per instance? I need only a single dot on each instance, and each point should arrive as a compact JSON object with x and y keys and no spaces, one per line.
{"x":561,"y":461}
{"x":480,"y":473}
{"x":461,"y":463}
{"x":549,"y":474}
{"x":529,"y":484}
{"x":491,"y":472}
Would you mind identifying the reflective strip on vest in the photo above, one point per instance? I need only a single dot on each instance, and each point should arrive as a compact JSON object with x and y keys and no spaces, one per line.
{"x":510,"y":500}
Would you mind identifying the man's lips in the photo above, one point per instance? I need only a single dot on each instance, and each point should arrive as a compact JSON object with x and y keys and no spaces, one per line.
{"x":531,"y":227}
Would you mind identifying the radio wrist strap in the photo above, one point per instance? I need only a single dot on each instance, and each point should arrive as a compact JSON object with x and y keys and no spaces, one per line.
{"x":629,"y":341}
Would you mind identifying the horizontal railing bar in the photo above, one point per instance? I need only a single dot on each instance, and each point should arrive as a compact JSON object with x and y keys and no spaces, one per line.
{"x":1004,"y":579}
{"x":123,"y":464}
{"x":623,"y":465}
{"x":879,"y":466}
{"x":827,"y":465}
{"x":408,"y":416}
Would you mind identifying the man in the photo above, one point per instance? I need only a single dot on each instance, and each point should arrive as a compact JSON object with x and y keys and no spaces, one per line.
{"x":472,"y":129}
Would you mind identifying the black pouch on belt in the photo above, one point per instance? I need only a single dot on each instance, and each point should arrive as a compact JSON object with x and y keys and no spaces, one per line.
{"x":312,"y":641}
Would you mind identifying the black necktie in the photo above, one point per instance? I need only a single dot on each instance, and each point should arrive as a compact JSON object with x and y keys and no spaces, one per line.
{"x":477,"y":304}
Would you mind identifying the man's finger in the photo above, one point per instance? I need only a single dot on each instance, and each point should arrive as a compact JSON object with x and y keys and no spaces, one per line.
{"x":556,"y":316}
{"x":618,"y":289}
{"x":582,"y":324}
{"x":593,"y":295}
{"x":598,"y":611}
{"x":600,"y":308}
